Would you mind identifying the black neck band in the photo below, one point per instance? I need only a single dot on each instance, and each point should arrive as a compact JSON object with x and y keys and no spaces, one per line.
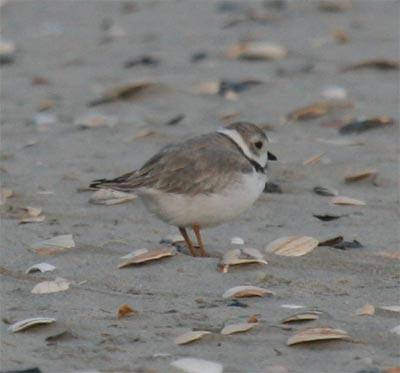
{"x":256,"y":165}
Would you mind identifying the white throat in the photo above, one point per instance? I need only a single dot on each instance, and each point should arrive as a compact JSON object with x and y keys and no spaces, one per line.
{"x":238,"y":139}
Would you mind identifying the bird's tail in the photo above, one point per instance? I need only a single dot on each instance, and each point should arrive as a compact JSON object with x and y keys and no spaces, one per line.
{"x":99,"y":184}
{"x":122,"y":183}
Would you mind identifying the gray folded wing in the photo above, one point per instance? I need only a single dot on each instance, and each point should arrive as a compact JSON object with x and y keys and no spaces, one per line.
{"x":206,"y":164}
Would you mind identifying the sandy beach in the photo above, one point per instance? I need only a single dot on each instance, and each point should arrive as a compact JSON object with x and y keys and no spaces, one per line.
{"x":183,"y":65}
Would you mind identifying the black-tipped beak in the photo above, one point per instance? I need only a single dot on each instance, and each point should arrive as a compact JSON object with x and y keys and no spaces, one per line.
{"x":272,"y":157}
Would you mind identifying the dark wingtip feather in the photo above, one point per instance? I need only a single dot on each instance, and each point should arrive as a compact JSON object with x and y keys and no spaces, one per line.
{"x":96,"y":184}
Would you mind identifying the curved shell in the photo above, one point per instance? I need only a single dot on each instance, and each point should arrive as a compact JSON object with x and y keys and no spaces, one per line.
{"x":292,"y":246}
{"x":246,"y":291}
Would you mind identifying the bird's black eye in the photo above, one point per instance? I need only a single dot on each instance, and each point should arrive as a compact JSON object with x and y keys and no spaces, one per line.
{"x":258,"y":144}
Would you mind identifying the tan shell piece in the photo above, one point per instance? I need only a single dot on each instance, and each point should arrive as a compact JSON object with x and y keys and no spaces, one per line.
{"x":389,"y":254}
{"x":360,"y":175}
{"x":366,"y":310}
{"x":303,"y":316}
{"x":316,"y":334}
{"x":128,"y":90}
{"x":292,"y":246}
{"x":317,"y":109}
{"x":340,"y":200}
{"x":190,"y":337}
{"x":210,"y":87}
{"x":245,"y":291}
{"x":5,"y":194}
{"x":149,"y":256}
{"x":256,"y":50}
{"x":314,"y":159}
{"x":32,"y":211}
{"x":238,"y":328}
{"x":96,"y":120}
{"x":54,"y":245}
{"x":33,"y":219}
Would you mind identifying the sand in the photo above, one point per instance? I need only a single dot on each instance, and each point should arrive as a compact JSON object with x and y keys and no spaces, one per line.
{"x":80,"y":47}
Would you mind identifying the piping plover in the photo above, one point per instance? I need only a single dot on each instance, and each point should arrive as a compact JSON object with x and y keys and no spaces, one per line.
{"x":203,"y":181}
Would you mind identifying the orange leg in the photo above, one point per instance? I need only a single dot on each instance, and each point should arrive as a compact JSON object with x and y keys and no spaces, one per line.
{"x":187,"y":240}
{"x":196,"y":230}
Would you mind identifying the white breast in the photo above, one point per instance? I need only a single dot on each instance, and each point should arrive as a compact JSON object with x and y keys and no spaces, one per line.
{"x":205,"y":209}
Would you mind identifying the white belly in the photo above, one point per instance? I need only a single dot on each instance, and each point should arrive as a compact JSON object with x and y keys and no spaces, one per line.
{"x":205,"y":209}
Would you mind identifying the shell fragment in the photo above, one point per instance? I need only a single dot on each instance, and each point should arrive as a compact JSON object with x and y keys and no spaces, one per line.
{"x":346,"y":201}
{"x":46,"y":287}
{"x":316,"y":334}
{"x":245,"y":291}
{"x":190,"y":337}
{"x":303,"y":316}
{"x":193,"y":365}
{"x":149,"y":256}
{"x":41,"y":267}
{"x":238,"y":328}
{"x":27,"y":323}
{"x":240,"y":256}
{"x":292,"y":246}
{"x":55,"y":244}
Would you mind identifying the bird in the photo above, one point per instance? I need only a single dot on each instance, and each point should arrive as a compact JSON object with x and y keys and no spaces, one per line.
{"x":201,"y":182}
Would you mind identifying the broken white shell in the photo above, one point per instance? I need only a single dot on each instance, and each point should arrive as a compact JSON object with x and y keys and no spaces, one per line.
{"x":46,"y":287}
{"x":41,"y":267}
{"x":193,"y":365}
{"x":237,"y":241}
{"x":395,"y":330}
{"x":135,"y":253}
{"x":242,"y":256}
{"x":27,"y":323}
{"x":64,"y":241}
{"x":190,"y":337}
{"x":292,"y":306}
{"x":245,"y":291}
{"x":334,"y":93}
{"x":390,"y":308}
